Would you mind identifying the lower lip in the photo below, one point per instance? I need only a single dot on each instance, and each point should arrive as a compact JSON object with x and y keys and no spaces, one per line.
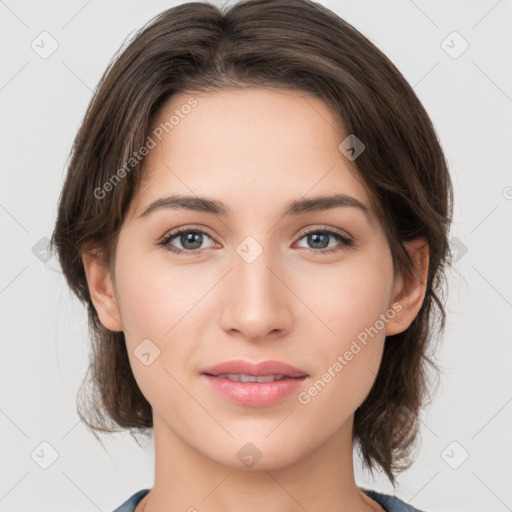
{"x":255,"y":394}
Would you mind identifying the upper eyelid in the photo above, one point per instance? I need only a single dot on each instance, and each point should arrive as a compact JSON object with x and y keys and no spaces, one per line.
{"x":338,"y":231}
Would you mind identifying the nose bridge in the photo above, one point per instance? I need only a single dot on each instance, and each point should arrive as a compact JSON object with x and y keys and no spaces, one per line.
{"x":259,"y":302}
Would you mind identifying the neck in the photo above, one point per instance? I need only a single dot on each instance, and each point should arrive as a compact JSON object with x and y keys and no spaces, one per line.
{"x":316,"y":481}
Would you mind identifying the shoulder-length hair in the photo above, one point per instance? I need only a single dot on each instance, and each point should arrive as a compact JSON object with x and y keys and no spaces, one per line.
{"x":289,"y":44}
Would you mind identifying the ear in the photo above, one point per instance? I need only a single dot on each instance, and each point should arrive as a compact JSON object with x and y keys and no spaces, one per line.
{"x":409,"y":292}
{"x":101,"y":289}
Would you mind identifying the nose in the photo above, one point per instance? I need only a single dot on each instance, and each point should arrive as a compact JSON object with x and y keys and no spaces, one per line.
{"x":257,"y":300}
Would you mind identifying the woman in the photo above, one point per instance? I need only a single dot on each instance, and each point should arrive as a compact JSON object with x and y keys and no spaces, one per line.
{"x":256,"y":215}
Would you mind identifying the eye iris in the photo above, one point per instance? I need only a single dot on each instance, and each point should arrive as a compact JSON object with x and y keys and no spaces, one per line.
{"x":193,"y":237}
{"x":315,"y":237}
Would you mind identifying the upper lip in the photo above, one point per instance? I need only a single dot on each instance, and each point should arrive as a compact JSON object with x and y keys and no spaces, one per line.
{"x":269,"y":367}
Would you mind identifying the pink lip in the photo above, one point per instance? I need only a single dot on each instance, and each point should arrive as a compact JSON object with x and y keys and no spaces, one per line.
{"x":255,"y":394}
{"x":269,"y":367}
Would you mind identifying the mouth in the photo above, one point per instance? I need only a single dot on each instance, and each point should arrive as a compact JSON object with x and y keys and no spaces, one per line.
{"x":255,"y":385}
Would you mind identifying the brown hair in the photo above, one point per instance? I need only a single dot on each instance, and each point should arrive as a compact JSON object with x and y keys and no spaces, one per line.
{"x":290,"y":44}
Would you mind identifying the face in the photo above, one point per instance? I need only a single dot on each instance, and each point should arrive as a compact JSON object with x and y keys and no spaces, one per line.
{"x":252,"y":282}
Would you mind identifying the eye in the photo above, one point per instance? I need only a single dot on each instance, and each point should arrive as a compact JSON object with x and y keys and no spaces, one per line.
{"x":319,"y":238}
{"x":190,"y":240}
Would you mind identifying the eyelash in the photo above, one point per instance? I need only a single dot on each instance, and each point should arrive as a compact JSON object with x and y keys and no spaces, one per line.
{"x":346,"y":242}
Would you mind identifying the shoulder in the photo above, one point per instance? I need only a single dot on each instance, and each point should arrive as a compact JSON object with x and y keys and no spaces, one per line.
{"x":390,"y":503}
{"x":130,"y":504}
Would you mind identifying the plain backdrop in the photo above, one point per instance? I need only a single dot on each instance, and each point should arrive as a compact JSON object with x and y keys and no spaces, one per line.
{"x":464,"y":460}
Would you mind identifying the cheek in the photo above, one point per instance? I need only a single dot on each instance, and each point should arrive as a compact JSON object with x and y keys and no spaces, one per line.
{"x":350,"y":351}
{"x":348,"y":299}
{"x":153,"y":295}
{"x":159,"y":309}
{"x":359,"y":306}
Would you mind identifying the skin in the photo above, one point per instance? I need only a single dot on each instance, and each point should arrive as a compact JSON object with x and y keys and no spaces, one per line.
{"x":253,"y":149}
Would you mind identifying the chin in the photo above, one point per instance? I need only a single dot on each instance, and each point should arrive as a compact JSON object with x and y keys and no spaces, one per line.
{"x":258,"y":455}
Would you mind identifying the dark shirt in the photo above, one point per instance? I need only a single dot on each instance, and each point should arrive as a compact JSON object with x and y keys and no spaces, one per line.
{"x":388,"y":503}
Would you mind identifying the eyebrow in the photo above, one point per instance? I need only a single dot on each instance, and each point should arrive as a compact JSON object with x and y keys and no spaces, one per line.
{"x":292,"y":208}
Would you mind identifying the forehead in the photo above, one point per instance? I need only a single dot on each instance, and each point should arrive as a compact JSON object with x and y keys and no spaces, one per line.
{"x":246,"y":145}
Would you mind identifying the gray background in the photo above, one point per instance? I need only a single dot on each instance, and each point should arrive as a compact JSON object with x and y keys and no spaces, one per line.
{"x":44,"y":346}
